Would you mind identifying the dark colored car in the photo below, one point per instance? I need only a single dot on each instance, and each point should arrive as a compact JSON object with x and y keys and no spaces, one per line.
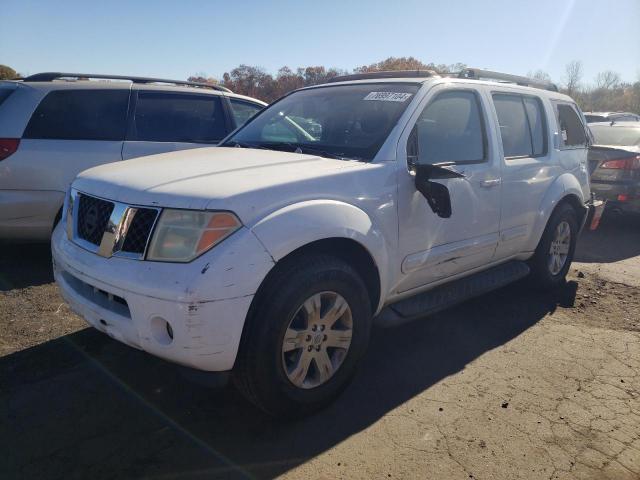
{"x":614,"y":163}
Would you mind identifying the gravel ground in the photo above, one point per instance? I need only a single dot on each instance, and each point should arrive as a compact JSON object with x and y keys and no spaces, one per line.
{"x":515,"y":384}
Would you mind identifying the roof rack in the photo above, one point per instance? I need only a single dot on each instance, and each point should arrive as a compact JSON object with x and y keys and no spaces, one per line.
{"x":384,"y":74}
{"x":49,"y":76}
{"x":479,"y":74}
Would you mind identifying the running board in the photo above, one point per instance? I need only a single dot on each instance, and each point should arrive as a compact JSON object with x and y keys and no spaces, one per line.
{"x":452,"y":293}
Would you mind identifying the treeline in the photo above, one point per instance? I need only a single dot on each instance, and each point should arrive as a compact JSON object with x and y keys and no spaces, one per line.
{"x":606,"y":92}
{"x":256,"y":82}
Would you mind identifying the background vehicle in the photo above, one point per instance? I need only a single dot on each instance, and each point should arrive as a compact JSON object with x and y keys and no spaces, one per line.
{"x":614,"y":163}
{"x":409,"y":193}
{"x":53,"y":127}
{"x":594,"y":117}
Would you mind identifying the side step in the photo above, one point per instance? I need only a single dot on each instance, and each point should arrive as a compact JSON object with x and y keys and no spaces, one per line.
{"x":449,"y":294}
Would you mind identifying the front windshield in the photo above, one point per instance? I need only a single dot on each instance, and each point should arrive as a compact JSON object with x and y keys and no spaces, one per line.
{"x":610,"y":135}
{"x":341,"y":121}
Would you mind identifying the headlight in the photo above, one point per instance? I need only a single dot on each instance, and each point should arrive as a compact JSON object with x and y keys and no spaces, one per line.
{"x":182,"y":235}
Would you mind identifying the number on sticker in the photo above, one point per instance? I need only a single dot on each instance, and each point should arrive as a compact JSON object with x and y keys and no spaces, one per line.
{"x":388,"y":96}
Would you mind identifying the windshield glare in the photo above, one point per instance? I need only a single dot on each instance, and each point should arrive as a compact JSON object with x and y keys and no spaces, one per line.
{"x":623,"y":136}
{"x":344,"y":121}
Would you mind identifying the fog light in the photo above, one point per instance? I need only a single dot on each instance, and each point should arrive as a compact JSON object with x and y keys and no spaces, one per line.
{"x":161,"y":331}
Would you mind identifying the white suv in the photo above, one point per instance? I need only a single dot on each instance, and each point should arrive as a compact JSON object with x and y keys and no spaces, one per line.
{"x":386,"y":196}
{"x":54,"y":125}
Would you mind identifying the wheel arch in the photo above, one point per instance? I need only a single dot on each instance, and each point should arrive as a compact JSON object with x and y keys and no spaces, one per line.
{"x":564,"y":190}
{"x":331,"y":227}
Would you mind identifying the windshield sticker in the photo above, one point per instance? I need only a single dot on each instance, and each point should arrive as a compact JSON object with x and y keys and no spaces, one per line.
{"x":388,"y":96}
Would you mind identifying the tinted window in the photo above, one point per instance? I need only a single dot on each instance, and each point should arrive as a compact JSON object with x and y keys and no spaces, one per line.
{"x":514,"y":125}
{"x":537,"y":124}
{"x":571,"y":128}
{"x":80,"y":115}
{"x":243,"y":111}
{"x":348,"y":121}
{"x":175,"y":117}
{"x":450,"y":129}
{"x":595,"y":118}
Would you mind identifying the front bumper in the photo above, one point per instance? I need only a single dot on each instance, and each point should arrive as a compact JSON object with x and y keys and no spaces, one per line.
{"x":205,"y":302}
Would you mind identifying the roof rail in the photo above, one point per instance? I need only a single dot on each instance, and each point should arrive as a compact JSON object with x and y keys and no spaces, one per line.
{"x":49,"y":76}
{"x":384,"y":74}
{"x":479,"y":74}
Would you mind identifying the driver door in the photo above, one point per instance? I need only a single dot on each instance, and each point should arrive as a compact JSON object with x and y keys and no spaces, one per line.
{"x":450,"y":127}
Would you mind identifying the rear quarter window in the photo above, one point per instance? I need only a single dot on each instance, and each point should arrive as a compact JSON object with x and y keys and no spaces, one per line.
{"x":80,"y":115}
{"x":572,"y":131}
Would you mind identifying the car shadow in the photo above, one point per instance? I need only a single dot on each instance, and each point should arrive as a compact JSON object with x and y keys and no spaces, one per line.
{"x":617,"y":238}
{"x":25,"y":265}
{"x":85,"y":406}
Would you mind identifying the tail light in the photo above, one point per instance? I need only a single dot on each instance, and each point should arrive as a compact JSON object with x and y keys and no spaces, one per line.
{"x":8,"y":147}
{"x":627,"y":163}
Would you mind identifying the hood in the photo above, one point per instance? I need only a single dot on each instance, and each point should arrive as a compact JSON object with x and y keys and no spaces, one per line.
{"x":244,"y":181}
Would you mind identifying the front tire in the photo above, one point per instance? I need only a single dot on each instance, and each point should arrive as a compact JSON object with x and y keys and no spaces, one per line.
{"x":552,"y":259}
{"x":304,"y":336}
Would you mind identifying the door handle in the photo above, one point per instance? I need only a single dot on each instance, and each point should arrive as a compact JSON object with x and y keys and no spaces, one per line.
{"x":494,"y":182}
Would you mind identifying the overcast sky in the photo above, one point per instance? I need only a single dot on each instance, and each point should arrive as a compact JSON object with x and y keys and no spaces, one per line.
{"x":178,"y":38}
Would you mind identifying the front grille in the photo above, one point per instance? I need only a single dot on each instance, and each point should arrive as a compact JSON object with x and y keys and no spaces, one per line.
{"x":139,"y":231}
{"x":93,"y":217}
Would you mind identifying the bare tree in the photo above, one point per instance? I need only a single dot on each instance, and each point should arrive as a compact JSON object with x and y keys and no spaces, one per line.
{"x":573,"y":76}
{"x":607,"y":80}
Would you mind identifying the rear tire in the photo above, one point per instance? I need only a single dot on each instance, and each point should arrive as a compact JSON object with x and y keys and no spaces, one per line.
{"x":554,"y":254}
{"x":293,"y":361}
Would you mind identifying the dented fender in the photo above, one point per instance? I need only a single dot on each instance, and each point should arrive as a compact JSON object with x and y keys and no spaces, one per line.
{"x":297,"y":225}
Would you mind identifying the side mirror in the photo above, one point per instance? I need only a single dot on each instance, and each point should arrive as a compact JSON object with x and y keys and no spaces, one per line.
{"x":436,"y":194}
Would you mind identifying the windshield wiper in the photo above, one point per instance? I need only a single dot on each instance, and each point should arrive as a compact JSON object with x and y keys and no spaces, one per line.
{"x":237,"y":144}
{"x":304,"y":149}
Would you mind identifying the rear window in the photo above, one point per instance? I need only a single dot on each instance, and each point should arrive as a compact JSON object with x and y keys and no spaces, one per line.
{"x":595,"y":118}
{"x":80,"y":115}
{"x":611,"y":135}
{"x":175,"y":117}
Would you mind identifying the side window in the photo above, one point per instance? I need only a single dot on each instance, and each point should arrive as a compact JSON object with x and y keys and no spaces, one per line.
{"x":80,"y":115}
{"x":243,"y":111}
{"x":571,"y":129}
{"x":450,"y":129}
{"x":514,"y":125}
{"x":537,"y":124}
{"x":176,"y":117}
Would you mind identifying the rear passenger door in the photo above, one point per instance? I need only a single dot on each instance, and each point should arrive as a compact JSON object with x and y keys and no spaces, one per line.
{"x":527,"y":171}
{"x":164,"y":121}
{"x":71,"y":130}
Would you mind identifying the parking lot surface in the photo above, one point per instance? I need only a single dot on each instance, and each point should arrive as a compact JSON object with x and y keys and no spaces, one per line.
{"x":514,"y":384}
